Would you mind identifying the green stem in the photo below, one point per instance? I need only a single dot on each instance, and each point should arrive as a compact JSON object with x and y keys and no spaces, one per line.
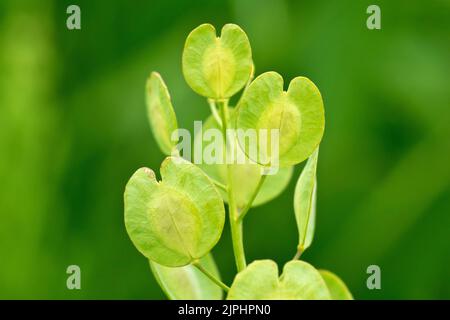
{"x":212,"y":106}
{"x":235,"y":224}
{"x":211,"y":276}
{"x":219,"y":185}
{"x":238,"y":242}
{"x":252,"y":198}
{"x":299,"y":252}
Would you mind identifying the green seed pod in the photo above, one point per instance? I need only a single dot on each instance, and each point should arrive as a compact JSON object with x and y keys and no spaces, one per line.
{"x":161,"y":115}
{"x":338,"y":289}
{"x":177,"y":220}
{"x":297,"y":114}
{"x":188,"y":283}
{"x":260,"y":281}
{"x":305,"y":202}
{"x":217,"y":67}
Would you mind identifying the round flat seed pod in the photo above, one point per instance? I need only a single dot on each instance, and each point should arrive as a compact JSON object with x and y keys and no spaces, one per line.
{"x":297,"y":115}
{"x":176,"y":220}
{"x":217,"y":67}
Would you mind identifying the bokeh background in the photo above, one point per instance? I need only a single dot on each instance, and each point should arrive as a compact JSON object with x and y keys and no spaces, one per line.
{"x":73,"y":129}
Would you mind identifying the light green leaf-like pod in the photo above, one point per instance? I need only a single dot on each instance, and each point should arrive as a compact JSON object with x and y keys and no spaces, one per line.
{"x":161,"y":115}
{"x":246,"y":175}
{"x":176,"y":220}
{"x":338,"y":289}
{"x":188,"y":283}
{"x":305,"y":202}
{"x":260,"y":281}
{"x":297,"y":113}
{"x":217,"y":67}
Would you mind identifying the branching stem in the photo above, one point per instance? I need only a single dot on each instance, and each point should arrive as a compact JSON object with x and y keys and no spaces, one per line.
{"x":252,"y":198}
{"x":235,"y":224}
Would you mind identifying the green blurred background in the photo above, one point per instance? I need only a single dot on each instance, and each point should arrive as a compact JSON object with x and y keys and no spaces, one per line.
{"x":73,"y":129}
